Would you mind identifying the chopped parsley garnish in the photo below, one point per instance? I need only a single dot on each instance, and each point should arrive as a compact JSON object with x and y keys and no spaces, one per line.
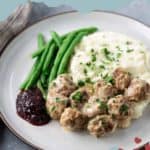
{"x":118,"y":55}
{"x":128,"y":42}
{"x":107,"y":54}
{"x":85,"y":71}
{"x":53,"y":108}
{"x":88,"y":63}
{"x":130,"y":50}
{"x":57,"y":99}
{"x":97,"y":100}
{"x":93,"y":57}
{"x":88,"y":80}
{"x":81,"y":83}
{"x":108,"y":79}
{"x":77,"y":96}
{"x":102,"y":105}
{"x":124,"y":109}
{"x":142,"y":52}
{"x":92,"y":50}
{"x":102,"y":66}
{"x":118,"y":47}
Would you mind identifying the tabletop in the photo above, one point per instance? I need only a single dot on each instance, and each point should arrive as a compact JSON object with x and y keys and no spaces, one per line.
{"x":11,"y":142}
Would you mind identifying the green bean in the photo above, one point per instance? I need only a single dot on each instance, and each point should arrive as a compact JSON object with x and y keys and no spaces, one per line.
{"x":41,"y":40}
{"x":41,"y":43}
{"x":60,"y":54}
{"x":49,"y":56}
{"x":43,"y":78}
{"x":41,"y":50}
{"x":65,"y":60}
{"x":38,"y":70}
{"x":39,"y":85}
{"x":88,"y":29}
{"x":56,"y":38}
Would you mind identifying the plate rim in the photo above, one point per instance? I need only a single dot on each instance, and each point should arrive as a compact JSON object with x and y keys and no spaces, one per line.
{"x":12,"y":129}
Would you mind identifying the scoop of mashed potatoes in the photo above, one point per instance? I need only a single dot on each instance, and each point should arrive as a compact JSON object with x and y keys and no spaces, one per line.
{"x":100,"y":53}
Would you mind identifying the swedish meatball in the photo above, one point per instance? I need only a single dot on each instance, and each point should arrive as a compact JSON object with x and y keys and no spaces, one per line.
{"x":104,"y":90}
{"x":138,"y":90}
{"x":72,"y":119}
{"x":80,"y":96}
{"x":119,"y":107}
{"x":94,"y":107}
{"x":122,"y":78}
{"x":101,"y":125}
{"x":63,"y":85}
{"x":55,"y":106}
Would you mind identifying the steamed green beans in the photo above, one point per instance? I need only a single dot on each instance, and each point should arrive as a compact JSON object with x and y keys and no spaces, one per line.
{"x":41,"y":50}
{"x":38,"y":70}
{"x":65,"y":60}
{"x":41,"y":43}
{"x":56,"y":38}
{"x":50,"y":56}
{"x":41,"y":40}
{"x":60,"y":54}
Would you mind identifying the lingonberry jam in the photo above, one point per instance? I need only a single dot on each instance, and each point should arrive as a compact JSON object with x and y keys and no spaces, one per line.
{"x":30,"y":106}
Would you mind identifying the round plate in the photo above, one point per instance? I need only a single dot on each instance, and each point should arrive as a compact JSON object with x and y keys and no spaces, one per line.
{"x":16,"y":62}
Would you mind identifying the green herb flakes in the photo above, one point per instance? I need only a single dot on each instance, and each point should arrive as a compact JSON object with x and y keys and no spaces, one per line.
{"x":108,"y":79}
{"x":124,"y":108}
{"x":128,"y":42}
{"x":102,"y":67}
{"x":88,"y":80}
{"x":93,"y":57}
{"x":77,"y":96}
{"x":81,"y":83}
{"x":57,"y":99}
{"x":129,"y":50}
{"x":88,"y":64}
{"x":85,"y":71}
{"x":102,"y":105}
{"x":53,"y":108}
{"x":107,"y":54}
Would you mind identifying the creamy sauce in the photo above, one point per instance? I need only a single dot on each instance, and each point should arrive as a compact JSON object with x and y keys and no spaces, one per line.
{"x":97,"y":55}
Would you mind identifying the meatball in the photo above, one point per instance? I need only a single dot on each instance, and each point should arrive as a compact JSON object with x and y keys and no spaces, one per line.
{"x":138,"y":90}
{"x":122,"y":79}
{"x":56,"y":105}
{"x":80,"y":96}
{"x":104,"y":90}
{"x":100,"y":125}
{"x":94,"y":107}
{"x":72,"y":119}
{"x":119,"y":108}
{"x":63,"y":85}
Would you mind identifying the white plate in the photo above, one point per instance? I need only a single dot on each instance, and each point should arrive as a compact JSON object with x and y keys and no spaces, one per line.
{"x":16,"y":62}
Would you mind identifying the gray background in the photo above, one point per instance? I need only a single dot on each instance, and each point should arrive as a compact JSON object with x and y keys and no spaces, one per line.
{"x":139,"y":9}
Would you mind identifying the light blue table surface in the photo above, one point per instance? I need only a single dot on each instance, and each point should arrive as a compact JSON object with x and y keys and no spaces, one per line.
{"x":139,"y":9}
{"x":7,"y":6}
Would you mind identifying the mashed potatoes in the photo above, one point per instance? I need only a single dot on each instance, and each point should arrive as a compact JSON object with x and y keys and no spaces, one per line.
{"x":100,"y":53}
